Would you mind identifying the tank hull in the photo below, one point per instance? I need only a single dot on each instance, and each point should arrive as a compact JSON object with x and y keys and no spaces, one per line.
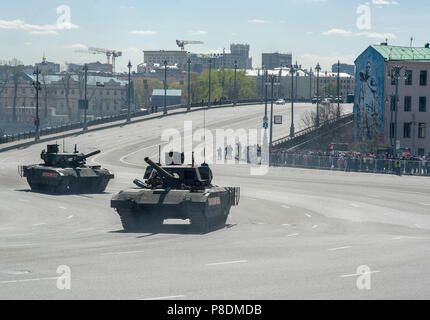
{"x":67,"y":180}
{"x":144,"y":210}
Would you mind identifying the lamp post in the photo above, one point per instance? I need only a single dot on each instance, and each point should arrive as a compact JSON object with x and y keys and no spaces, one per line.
{"x":223,"y":73}
{"x":129,"y":92}
{"x":86,"y":97}
{"x":292,"y":71}
{"x":338,"y":90}
{"x":210,"y":80}
{"x":165,"y":87}
{"x":394,"y":74}
{"x":38,"y":87}
{"x":272,"y":82}
{"x":235,"y":84}
{"x":189,"y":84}
{"x":318,"y":69}
{"x":310,"y":85}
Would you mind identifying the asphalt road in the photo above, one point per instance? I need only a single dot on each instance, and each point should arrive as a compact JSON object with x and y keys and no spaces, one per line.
{"x":296,"y":234}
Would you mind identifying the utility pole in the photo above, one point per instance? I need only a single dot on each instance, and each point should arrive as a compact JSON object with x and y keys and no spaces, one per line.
{"x":292,"y":71}
{"x":86,"y":97}
{"x":318,"y":69}
{"x":38,"y":87}
{"x":223,"y":73}
{"x":338,"y":90}
{"x":189,"y":84}
{"x":165,"y":87}
{"x":129,"y":92}
{"x":210,"y":80}
{"x":235,"y":84}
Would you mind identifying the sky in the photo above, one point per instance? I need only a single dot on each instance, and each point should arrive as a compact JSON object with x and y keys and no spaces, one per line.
{"x":314,"y":31}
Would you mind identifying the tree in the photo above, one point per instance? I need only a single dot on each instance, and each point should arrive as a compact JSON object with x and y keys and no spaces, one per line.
{"x":66,"y":81}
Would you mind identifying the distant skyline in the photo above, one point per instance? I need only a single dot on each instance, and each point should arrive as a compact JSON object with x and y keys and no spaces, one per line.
{"x":313,"y":30}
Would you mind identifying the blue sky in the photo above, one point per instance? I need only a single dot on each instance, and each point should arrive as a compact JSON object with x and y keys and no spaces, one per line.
{"x":313,"y":30}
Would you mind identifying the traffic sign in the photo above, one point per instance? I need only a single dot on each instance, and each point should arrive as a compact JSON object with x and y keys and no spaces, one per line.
{"x":83,"y":104}
{"x":265,"y":125}
{"x":278,"y":119}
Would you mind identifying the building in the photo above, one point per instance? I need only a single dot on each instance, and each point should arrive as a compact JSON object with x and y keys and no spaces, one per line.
{"x":276,"y":60}
{"x":240,"y":53}
{"x":59,"y":97}
{"x":376,"y":116}
{"x":173,"y":97}
{"x":344,"y":68}
{"x":47,"y":67}
{"x":93,"y":67}
{"x":173,"y":57}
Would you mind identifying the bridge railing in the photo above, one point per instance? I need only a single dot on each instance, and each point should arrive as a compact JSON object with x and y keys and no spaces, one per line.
{"x":351,"y":164}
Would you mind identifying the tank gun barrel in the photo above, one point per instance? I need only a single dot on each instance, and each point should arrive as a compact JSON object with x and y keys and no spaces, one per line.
{"x":169,"y":177}
{"x":86,"y":156}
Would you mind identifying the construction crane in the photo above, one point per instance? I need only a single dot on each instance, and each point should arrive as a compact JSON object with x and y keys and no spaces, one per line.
{"x":181,"y":44}
{"x":109,"y":54}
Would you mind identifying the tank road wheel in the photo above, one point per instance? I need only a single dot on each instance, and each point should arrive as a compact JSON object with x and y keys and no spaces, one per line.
{"x":199,"y":221}
{"x":129,"y":220}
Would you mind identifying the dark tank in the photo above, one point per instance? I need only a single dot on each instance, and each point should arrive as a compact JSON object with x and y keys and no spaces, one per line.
{"x":63,"y":173}
{"x":175,"y":192}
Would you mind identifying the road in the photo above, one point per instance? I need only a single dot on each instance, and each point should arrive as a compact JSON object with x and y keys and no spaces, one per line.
{"x":297,"y":233}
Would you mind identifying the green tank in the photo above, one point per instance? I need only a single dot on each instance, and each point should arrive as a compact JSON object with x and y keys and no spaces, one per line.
{"x":175,"y":192}
{"x":64,"y":173}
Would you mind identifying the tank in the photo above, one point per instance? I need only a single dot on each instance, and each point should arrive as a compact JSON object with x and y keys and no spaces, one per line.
{"x":64,"y":173}
{"x":175,"y":192}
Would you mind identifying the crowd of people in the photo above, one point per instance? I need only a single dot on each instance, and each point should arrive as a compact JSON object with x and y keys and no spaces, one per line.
{"x":354,"y":161}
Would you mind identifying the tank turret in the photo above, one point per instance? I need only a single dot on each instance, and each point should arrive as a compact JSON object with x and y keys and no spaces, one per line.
{"x":52,"y":157}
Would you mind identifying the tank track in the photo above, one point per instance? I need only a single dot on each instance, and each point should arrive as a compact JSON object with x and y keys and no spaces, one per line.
{"x":133,"y":221}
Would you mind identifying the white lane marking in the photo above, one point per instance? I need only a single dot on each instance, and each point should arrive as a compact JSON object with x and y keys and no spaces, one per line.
{"x":69,"y":217}
{"x":122,"y":159}
{"x":340,"y":248}
{"x":87,"y":229}
{"x":18,"y":245}
{"x":28,"y":280}
{"x":308,"y":215}
{"x":118,"y":253}
{"x":163,"y":298}
{"x":252,"y":199}
{"x":417,"y":225}
{"x":425,"y":204}
{"x":63,"y":208}
{"x":6,"y":228}
{"x":81,"y":197}
{"x":398,"y":238}
{"x":286,"y":225}
{"x":359,"y":274}
{"x":260,"y":223}
{"x":23,"y":200}
{"x":315,"y":226}
{"x":355,"y":205}
{"x":293,"y":235}
{"x":225,"y":263}
{"x":39,"y":224}
{"x":286,"y":207}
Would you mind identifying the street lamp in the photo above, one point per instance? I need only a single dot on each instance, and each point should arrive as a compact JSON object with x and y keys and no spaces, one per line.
{"x":292,"y":71}
{"x":272,"y":82}
{"x":189,"y":84}
{"x":235,"y":84}
{"x":129,"y":92}
{"x":210,"y":80}
{"x":394,"y":74}
{"x":38,"y":88}
{"x":310,"y":85}
{"x":165,"y":87}
{"x":86,"y":98}
{"x":338,"y":90}
{"x":318,"y":69}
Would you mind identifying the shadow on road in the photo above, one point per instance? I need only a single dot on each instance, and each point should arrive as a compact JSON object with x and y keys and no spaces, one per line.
{"x":182,"y":229}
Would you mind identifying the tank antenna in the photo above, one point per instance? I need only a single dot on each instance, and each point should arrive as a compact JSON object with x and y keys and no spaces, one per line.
{"x":64,"y":144}
{"x":159,"y":153}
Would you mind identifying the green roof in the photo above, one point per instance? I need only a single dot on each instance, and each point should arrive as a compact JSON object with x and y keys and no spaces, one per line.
{"x":403,"y":53}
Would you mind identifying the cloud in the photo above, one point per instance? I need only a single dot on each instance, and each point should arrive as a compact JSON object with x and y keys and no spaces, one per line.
{"x":367,"y":34}
{"x":76,"y":46}
{"x":384,"y":2}
{"x":143,"y":32}
{"x":257,"y":21}
{"x":48,"y":29}
{"x":200,"y":33}
{"x":337,"y":32}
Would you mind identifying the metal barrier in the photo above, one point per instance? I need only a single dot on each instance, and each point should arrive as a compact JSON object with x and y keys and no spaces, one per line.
{"x":369,"y":165}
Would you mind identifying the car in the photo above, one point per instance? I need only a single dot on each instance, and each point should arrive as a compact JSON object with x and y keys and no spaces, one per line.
{"x":280,"y":101}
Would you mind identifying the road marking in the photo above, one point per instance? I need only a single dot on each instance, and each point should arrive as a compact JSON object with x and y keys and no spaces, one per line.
{"x":355,"y":205}
{"x":293,"y":235}
{"x":252,"y":199}
{"x":398,"y":238}
{"x":286,"y":207}
{"x":28,"y":280}
{"x":315,"y":226}
{"x":163,"y":298}
{"x":63,"y":208}
{"x":122,"y":159}
{"x":22,"y":200}
{"x":308,"y":215}
{"x":224,"y":263}
{"x":425,"y":204}
{"x":69,"y":217}
{"x":260,"y":223}
{"x":339,"y":248}
{"x":118,"y":253}
{"x":39,"y":224}
{"x":359,"y":274}
{"x":286,"y":225}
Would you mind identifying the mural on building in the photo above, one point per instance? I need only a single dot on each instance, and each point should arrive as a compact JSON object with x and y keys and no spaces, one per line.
{"x":369,"y":107}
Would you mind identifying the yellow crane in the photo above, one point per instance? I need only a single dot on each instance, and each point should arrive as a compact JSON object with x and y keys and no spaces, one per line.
{"x":114,"y":54}
{"x":181,"y":44}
